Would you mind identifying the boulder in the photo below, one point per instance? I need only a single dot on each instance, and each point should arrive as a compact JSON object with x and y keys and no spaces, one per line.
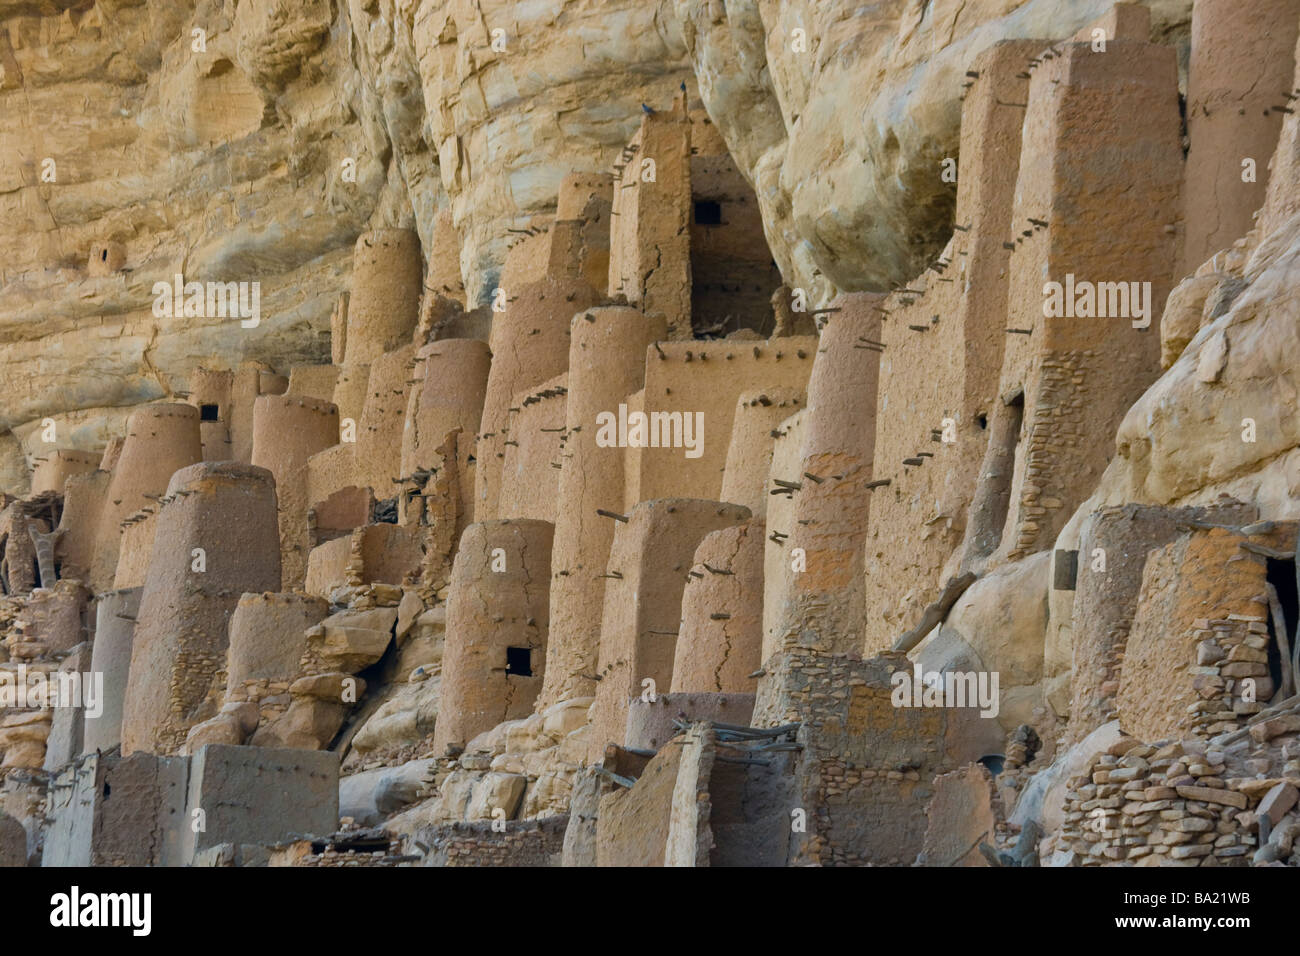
{"x":350,"y":640}
{"x":371,"y":796}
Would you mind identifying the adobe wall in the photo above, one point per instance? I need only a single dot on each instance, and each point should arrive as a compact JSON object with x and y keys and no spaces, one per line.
{"x":663,"y":820}
{"x":633,"y":824}
{"x":332,"y":472}
{"x":749,"y":815}
{"x":287,"y":432}
{"x":213,"y":387}
{"x":313,"y":381}
{"x":528,"y":257}
{"x":180,"y":642}
{"x":576,"y":192}
{"x":53,"y":470}
{"x":963,"y":813}
{"x":778,"y":568}
{"x":498,"y":599}
{"x":267,"y":642}
{"x":530,"y":344}
{"x":1092,"y":174}
{"x":606,"y":361}
{"x":442,"y":276}
{"x":160,"y":439}
{"x":650,"y":242}
{"x":445,"y":320}
{"x":135,"y":551}
{"x":534,"y":452}
{"x":136,"y":810}
{"x":581,"y":233}
{"x":65,"y":739}
{"x":943,"y":340}
{"x":914,"y":524}
{"x":341,"y":512}
{"x":721,"y":637}
{"x":117,"y":811}
{"x":328,"y":566}
{"x":115,"y":617}
{"x":1242,"y":56}
{"x":378,"y":458}
{"x":732,"y":274}
{"x":646,"y":575}
{"x":251,"y":380}
{"x":83,"y":500}
{"x":350,"y":390}
{"x":372,"y":554}
{"x":69,"y":811}
{"x":1106,"y":601}
{"x":112,"y":451}
{"x":709,"y":377}
{"x":451,"y":384}
{"x":389,"y":553}
{"x":444,"y":521}
{"x":824,"y":603}
{"x":759,"y":412}
{"x":690,"y":838}
{"x":1202,"y":606}
{"x":384,"y":304}
{"x":635,"y":402}
{"x":259,"y":795}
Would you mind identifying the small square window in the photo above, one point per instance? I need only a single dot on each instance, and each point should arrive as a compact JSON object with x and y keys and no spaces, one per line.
{"x":209,"y":413}
{"x":519,"y":661}
{"x":708,"y":213}
{"x":1065,"y":570}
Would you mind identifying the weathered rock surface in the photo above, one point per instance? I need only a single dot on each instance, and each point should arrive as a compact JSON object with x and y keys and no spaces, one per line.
{"x":261,"y":152}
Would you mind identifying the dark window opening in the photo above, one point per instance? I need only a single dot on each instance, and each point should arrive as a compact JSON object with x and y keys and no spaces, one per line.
{"x":209,"y":413}
{"x":103,"y":256}
{"x":519,"y":661}
{"x":1182,"y":121}
{"x":708,"y":213}
{"x":1065,"y":570}
{"x":993,"y":763}
{"x":1281,"y":574}
{"x":384,"y":512}
{"x":982,"y":421}
{"x":107,"y":790}
{"x":1000,"y":463}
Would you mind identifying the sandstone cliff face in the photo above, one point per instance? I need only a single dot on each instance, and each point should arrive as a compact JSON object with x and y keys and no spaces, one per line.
{"x":842,"y":115}
{"x":258,"y":149}
{"x":133,"y":141}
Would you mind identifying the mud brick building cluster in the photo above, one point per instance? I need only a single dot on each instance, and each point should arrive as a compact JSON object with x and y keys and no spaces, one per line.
{"x":626,"y":555}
